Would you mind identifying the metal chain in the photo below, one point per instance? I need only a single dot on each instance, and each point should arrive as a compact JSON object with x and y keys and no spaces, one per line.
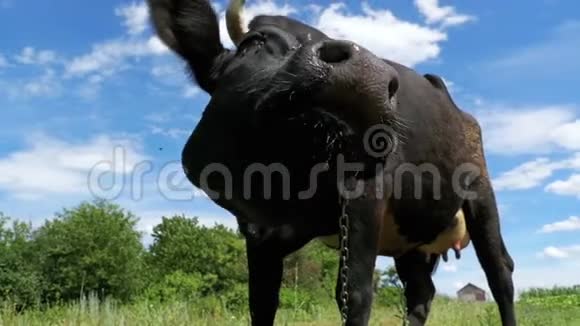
{"x":344,"y":255}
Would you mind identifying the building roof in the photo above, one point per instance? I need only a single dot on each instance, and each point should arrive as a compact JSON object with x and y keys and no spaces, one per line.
{"x":470,"y":286}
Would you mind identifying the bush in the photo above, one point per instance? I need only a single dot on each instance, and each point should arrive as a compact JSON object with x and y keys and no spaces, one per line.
{"x":20,"y":282}
{"x":236,"y":298}
{"x":301,"y":299}
{"x":556,"y":291}
{"x":91,"y":248}
{"x":314,"y":268}
{"x":389,"y":296}
{"x":177,"y":286}
{"x":557,"y":297}
{"x":390,"y":290}
{"x":94,"y":249}
{"x":218,"y":253}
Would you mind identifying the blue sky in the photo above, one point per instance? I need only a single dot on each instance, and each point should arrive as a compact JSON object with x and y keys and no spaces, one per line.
{"x":86,"y":87}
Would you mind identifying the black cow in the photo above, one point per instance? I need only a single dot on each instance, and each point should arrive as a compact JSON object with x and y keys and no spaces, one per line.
{"x":287,"y":145}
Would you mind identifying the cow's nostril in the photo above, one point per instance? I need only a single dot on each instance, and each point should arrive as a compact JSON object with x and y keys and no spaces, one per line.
{"x":335,"y":51}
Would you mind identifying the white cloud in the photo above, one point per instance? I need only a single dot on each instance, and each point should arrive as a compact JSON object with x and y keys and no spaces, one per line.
{"x":191,"y":91}
{"x":52,"y":166}
{"x":567,"y":135}
{"x":526,"y":176}
{"x":165,"y":71}
{"x":561,"y":48}
{"x":314,"y":8}
{"x":136,"y":17}
{"x":511,"y":131}
{"x":45,"y":85}
{"x":105,"y":59}
{"x":175,"y":133}
{"x":436,"y":14}
{"x":112,"y":56}
{"x":31,"y":56}
{"x":560,"y":252}
{"x":383,"y":33}
{"x":532,"y":174}
{"x":172,"y":74}
{"x":570,"y":224}
{"x":569,"y":187}
{"x":3,"y":61}
{"x":159,"y":117}
{"x":91,"y":86}
{"x":156,"y":46}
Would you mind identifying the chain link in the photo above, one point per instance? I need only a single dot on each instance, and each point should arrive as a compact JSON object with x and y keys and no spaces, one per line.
{"x":344,"y":255}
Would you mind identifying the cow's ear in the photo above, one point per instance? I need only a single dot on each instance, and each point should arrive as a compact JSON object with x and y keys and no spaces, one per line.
{"x":191,"y":29}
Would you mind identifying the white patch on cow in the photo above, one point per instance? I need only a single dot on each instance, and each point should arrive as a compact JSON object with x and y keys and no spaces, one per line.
{"x":449,"y":238}
{"x":392,"y":243}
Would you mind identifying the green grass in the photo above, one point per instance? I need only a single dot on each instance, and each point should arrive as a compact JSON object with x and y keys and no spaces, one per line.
{"x":210,"y":313}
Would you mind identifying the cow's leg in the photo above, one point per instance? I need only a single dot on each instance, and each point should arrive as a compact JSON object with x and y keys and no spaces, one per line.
{"x":484,"y":228}
{"x":362,"y":245}
{"x":415,"y":274}
{"x":266,"y":249}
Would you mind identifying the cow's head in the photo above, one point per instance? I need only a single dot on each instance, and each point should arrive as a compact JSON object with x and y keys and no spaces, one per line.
{"x":284,"y":77}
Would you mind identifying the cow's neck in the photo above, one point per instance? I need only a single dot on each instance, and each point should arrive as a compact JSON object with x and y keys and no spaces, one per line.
{"x":215,"y":142}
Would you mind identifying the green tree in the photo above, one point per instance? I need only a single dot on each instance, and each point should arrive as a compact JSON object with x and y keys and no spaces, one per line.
{"x":215,"y":255}
{"x":309,"y":277}
{"x":91,"y":248}
{"x":314,"y":267}
{"x":391,"y":291}
{"x":19,"y":278}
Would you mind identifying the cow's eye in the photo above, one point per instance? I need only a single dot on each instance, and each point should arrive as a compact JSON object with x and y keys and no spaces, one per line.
{"x":251,"y":40}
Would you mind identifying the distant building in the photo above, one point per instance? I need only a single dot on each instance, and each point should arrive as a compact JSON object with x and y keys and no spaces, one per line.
{"x":471,"y":293}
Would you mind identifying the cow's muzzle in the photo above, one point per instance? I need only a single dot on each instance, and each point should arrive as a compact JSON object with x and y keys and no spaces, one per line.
{"x":357,"y":86}
{"x":338,"y":77}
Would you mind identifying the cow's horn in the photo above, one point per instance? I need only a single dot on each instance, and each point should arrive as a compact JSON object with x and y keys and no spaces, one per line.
{"x":235,"y":21}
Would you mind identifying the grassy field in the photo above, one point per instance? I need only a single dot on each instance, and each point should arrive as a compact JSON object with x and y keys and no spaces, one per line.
{"x":445,"y":313}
